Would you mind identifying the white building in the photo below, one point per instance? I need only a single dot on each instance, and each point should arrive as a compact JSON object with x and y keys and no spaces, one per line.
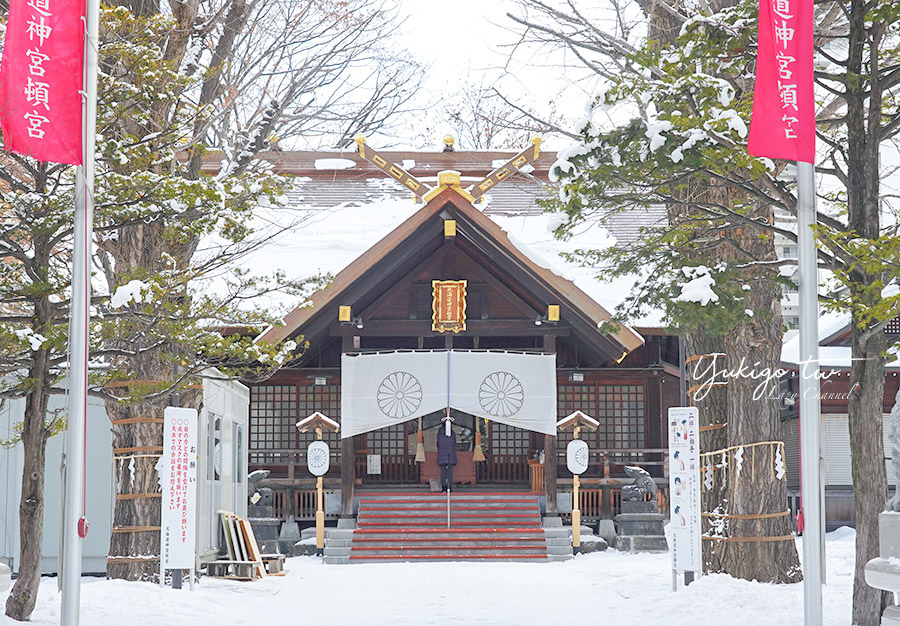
{"x":222,"y":477}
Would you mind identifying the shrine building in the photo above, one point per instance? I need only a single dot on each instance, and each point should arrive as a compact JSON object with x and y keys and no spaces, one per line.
{"x":450,"y":309}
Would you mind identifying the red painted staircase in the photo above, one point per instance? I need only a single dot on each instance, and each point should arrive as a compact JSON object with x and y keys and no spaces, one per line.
{"x":499,"y":526}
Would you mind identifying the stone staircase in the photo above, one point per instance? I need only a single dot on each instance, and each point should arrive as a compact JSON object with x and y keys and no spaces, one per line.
{"x":503,"y":526}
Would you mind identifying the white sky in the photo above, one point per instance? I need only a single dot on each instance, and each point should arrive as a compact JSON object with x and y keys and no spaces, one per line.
{"x":461,"y":40}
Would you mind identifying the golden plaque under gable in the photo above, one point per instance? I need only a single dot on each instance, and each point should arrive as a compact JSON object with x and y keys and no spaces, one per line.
{"x":448,"y":306}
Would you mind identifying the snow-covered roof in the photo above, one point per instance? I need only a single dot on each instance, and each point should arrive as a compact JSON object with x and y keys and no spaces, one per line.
{"x":343,"y":218}
{"x":589,"y":313}
{"x":833,"y":357}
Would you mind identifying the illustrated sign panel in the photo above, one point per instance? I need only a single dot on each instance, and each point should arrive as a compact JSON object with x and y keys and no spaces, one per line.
{"x":318,"y":458}
{"x":448,"y":306}
{"x":179,"y":493}
{"x":684,"y":488}
{"x":577,"y":456}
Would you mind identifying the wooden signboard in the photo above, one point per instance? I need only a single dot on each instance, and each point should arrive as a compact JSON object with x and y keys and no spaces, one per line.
{"x":253,"y":553}
{"x":448,"y":306}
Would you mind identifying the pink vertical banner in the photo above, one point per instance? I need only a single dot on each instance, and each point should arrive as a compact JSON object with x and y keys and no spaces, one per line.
{"x":783,"y":125}
{"x":41,"y":79}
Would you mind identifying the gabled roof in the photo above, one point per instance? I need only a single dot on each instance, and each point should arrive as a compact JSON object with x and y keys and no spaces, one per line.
{"x":481,"y":234}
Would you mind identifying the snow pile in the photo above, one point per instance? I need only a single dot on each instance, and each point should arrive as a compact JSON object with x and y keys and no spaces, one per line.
{"x":334,"y":164}
{"x":655,"y":132}
{"x":133,"y":291}
{"x":632,"y":589}
{"x":699,"y":288}
{"x":35,"y":340}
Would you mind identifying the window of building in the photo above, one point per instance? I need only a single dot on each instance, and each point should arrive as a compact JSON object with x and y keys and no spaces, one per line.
{"x":325,"y":399}
{"x":619,"y":409}
{"x":273,"y":415}
{"x":506,"y":439}
{"x":390,"y":440}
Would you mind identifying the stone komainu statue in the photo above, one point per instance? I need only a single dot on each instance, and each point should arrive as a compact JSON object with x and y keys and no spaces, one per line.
{"x":894,"y":503}
{"x":643,"y":484}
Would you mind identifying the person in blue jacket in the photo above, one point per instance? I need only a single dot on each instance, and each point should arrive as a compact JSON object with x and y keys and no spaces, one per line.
{"x":446,"y":447}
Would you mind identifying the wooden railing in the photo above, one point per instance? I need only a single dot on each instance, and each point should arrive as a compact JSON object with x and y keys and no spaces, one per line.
{"x":395,"y":468}
{"x":304,"y":504}
{"x":590,"y":502}
{"x":503,"y":468}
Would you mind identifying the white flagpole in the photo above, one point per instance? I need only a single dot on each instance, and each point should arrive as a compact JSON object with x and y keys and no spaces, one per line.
{"x":813,"y":536}
{"x":74,"y":523}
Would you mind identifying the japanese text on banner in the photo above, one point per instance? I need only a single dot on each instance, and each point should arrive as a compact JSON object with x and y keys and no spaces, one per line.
{"x":783,"y":123}
{"x":41,"y":80}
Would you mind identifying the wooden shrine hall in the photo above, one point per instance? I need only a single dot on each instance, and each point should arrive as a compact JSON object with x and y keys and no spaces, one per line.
{"x":445,"y":292}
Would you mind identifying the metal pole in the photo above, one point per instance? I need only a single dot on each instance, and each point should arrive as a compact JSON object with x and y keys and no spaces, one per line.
{"x":813,"y":538}
{"x":75,"y":524}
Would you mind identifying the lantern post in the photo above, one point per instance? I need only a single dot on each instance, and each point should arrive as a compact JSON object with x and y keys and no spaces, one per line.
{"x":577,"y":461}
{"x":318,"y":460}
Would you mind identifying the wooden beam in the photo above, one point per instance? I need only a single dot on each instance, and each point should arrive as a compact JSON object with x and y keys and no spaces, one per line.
{"x":401,"y":285}
{"x":348,"y":453}
{"x":422,"y":328}
{"x":499,"y":287}
{"x":550,"y":473}
{"x":348,"y":475}
{"x":550,"y":344}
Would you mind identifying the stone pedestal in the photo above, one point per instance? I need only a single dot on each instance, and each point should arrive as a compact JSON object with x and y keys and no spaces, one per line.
{"x":640,"y":528}
{"x":884,"y":572}
{"x":290,"y":534}
{"x":265,"y":529}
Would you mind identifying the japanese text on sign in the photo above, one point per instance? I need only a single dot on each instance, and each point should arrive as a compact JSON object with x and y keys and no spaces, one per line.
{"x":179,"y":502}
{"x":449,"y":306}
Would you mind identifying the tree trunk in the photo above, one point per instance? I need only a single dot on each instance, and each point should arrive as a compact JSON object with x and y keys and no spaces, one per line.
{"x":866,"y":397}
{"x":23,"y":596}
{"x":760,"y":543}
{"x":870,"y":489}
{"x":137,"y":447}
{"x":134,"y":549}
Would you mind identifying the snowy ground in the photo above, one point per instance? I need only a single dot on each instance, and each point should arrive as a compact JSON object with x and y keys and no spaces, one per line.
{"x":607,"y":588}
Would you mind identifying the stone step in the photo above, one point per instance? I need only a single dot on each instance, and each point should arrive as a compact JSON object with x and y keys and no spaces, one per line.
{"x":394,"y":526}
{"x":443,"y":524}
{"x":451,"y":557}
{"x":454,"y":506}
{"x":585,"y":531}
{"x":450,"y":548}
{"x":409,"y":538}
{"x":558,"y":541}
{"x":514,"y":535}
{"x":336,"y":560}
{"x":443,"y":499}
{"x":367,"y":495}
{"x":442,"y":515}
